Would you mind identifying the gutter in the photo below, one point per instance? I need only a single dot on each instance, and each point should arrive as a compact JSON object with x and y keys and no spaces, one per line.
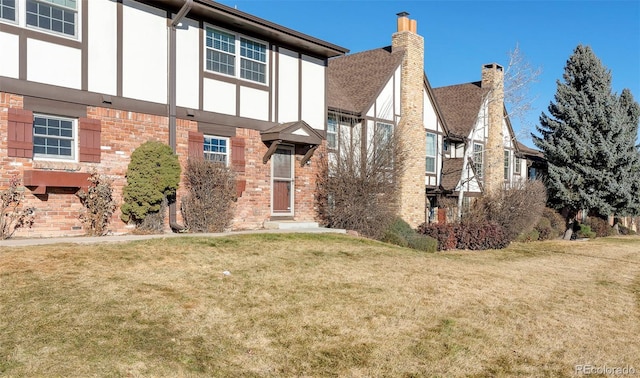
{"x":186,"y":7}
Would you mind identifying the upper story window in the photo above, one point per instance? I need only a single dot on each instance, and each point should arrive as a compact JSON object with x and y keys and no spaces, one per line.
{"x":332,"y":132}
{"x":507,"y":164}
{"x":216,"y":149}
{"x":8,"y":10}
{"x":478,"y":159}
{"x":59,"y":16}
{"x":517,"y":169}
{"x":431,"y":152}
{"x":224,"y":49}
{"x":54,"y":137}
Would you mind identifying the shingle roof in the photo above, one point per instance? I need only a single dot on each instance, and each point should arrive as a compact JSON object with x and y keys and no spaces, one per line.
{"x":530,"y":151}
{"x":460,"y":105}
{"x":451,"y":173}
{"x":355,"y":80}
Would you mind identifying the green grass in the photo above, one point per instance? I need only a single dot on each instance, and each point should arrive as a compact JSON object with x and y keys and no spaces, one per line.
{"x":317,"y":305}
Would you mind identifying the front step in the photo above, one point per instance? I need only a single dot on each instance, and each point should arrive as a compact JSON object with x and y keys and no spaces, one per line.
{"x":289,"y":225}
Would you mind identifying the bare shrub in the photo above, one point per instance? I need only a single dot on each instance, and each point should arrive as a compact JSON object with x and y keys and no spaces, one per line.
{"x":516,"y":209}
{"x":99,"y":205}
{"x":208,"y":207}
{"x":13,"y":214}
{"x":600,"y":226}
{"x":357,"y":186}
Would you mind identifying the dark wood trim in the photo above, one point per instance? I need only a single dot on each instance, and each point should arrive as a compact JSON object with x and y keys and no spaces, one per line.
{"x":299,"y":86}
{"x":54,"y":107}
{"x":41,"y":35}
{"x":201,"y":66}
{"x":238,"y":99}
{"x":84,"y":81}
{"x":272,"y":69}
{"x":22,"y":56}
{"x":119,"y":47}
{"x":233,"y":80}
{"x":326,"y":93}
{"x":61,"y":95}
{"x":276,"y":87}
{"x":216,"y":130}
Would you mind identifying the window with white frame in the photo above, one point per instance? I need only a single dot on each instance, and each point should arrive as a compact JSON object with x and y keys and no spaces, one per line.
{"x":54,"y":137}
{"x":518,"y":169}
{"x":431,"y":153}
{"x":332,"y":132}
{"x":507,"y":164}
{"x":383,"y":134}
{"x":223,"y":48}
{"x":216,"y":149}
{"x":8,"y":10}
{"x":59,"y":16}
{"x":478,"y":159}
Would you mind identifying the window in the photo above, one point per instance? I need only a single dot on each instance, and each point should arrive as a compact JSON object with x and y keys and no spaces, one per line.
{"x":518,"y":168}
{"x":477,"y":159}
{"x":332,"y":132}
{"x":55,"y":15}
{"x":8,"y":10}
{"x":507,"y":164}
{"x":216,"y":149}
{"x":221,"y":54}
{"x":431,"y":152}
{"x":445,"y":146}
{"x":54,"y":137}
{"x":382,"y":140}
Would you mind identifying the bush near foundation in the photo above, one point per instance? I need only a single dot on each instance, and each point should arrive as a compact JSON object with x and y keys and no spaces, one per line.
{"x":208,"y":206}
{"x":13,"y":213}
{"x":444,"y":233}
{"x":481,"y":236}
{"x":98,"y":204}
{"x":400,"y":233}
{"x":600,"y":227}
{"x":153,"y":176}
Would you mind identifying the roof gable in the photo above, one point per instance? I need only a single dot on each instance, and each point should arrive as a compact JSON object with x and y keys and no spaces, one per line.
{"x":298,"y":132}
{"x":355,"y":81}
{"x":460,"y":105}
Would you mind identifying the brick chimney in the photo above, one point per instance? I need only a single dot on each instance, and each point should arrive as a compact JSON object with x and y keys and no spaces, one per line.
{"x":411,"y":126}
{"x":493,"y":79}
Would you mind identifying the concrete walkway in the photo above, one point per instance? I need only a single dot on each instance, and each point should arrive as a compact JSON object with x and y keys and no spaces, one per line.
{"x":126,"y":238}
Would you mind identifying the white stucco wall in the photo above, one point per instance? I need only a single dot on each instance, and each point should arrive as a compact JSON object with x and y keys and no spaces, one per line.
{"x":102,"y":42}
{"x":219,"y":96}
{"x":54,"y":64}
{"x":288,"y":72}
{"x":187,"y":64}
{"x":10,"y":61}
{"x":384,"y":102}
{"x":313,"y":90}
{"x":254,"y":103}
{"x":144,"y":50}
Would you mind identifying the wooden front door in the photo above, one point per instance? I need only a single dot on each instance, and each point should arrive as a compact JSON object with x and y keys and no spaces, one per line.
{"x":282,"y":181}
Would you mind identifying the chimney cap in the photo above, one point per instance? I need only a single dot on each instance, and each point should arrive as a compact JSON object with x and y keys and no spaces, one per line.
{"x":402,"y":14}
{"x":495,"y":66}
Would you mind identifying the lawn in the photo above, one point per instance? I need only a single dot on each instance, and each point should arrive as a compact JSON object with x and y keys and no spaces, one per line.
{"x":317,"y":305}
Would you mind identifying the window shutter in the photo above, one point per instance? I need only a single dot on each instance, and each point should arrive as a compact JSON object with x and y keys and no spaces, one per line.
{"x":237,"y":154}
{"x":20,"y":133}
{"x":89,"y":131}
{"x":196,"y":144}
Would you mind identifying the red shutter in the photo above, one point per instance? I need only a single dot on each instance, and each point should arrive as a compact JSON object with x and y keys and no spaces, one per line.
{"x":196,"y":145}
{"x":237,"y":154}
{"x":20,"y":133}
{"x":89,"y":133}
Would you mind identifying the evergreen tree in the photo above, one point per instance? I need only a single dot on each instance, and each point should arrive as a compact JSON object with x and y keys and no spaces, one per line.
{"x":587,"y":140}
{"x":630,"y":119}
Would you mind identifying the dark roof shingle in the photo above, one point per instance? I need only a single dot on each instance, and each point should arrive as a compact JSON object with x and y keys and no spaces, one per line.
{"x":460,"y":105}
{"x":355,"y":80}
{"x":451,"y":172}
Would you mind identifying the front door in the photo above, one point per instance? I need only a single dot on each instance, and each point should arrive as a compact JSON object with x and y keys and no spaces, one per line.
{"x":282,"y":181}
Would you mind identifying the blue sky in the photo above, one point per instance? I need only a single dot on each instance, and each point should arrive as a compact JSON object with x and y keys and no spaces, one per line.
{"x":461,"y":36}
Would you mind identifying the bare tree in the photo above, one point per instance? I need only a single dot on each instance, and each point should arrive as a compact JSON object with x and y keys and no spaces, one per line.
{"x":357,"y":189}
{"x":519,"y":75}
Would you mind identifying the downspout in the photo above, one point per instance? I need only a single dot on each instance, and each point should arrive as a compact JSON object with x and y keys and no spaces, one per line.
{"x":186,"y":7}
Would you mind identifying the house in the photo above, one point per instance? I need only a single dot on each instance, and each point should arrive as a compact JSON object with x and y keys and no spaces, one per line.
{"x":385,"y":90}
{"x":83,"y":83}
{"x":460,"y":136}
{"x":481,"y":152}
